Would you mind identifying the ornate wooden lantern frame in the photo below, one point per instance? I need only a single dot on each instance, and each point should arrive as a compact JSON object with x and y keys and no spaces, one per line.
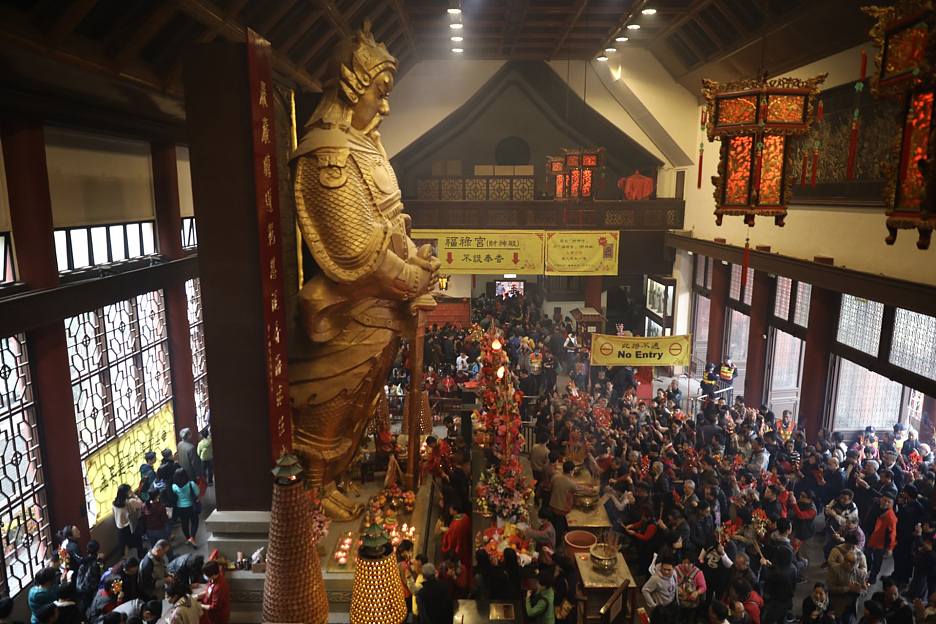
{"x":905,"y":35}
{"x":753,"y":119}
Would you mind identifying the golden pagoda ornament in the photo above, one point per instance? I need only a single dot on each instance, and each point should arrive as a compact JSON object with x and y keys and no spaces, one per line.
{"x":377,"y":593}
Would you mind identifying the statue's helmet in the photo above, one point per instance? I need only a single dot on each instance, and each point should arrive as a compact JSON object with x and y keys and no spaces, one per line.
{"x":358,"y":61}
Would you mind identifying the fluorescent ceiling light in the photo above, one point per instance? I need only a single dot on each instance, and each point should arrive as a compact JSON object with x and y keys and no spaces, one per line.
{"x":457,"y":50}
{"x":602,"y":58}
{"x":633,"y":27}
{"x":510,"y":275}
{"x":457,"y":39}
{"x":621,"y":39}
{"x":645,"y":11}
{"x":610,"y":50}
{"x":457,"y":11}
{"x":459,"y":26}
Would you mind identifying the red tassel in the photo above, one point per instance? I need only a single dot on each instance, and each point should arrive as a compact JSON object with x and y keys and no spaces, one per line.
{"x":758,"y":161}
{"x":745,"y":262}
{"x":864,"y":65}
{"x":815,"y":167}
{"x":701,"y":156}
{"x":820,"y":114}
{"x":802,"y":178}
{"x":852,"y":150}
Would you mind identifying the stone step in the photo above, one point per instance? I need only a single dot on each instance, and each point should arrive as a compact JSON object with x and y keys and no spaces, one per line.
{"x":238,"y":522}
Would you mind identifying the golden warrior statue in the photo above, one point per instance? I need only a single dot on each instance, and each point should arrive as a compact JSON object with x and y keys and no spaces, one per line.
{"x":372,"y":281}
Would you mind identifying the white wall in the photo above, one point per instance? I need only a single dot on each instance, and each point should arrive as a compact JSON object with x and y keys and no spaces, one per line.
{"x":98,"y":179}
{"x":458,"y":286}
{"x":5,"y":224}
{"x":682,"y":271}
{"x":853,"y":237}
{"x":427,"y":94}
{"x":184,"y":173}
{"x":585,"y":82}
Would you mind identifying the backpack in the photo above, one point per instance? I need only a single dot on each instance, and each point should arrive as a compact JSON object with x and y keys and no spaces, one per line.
{"x":167,"y":496}
{"x":685,"y":586}
{"x":88,"y":577}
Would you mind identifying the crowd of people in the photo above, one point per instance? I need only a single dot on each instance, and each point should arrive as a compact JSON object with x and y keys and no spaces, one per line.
{"x":715,"y":510}
{"x":151,"y":581}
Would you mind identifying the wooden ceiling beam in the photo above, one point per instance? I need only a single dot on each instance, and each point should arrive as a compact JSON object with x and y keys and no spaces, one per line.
{"x":209,"y":14}
{"x":148,"y":29}
{"x":271,"y":18}
{"x":17,"y":30}
{"x":407,"y":25}
{"x":69,"y":20}
{"x":711,"y":34}
{"x":309,"y":54}
{"x":299,"y":31}
{"x":577,"y":13}
{"x":335,"y":16}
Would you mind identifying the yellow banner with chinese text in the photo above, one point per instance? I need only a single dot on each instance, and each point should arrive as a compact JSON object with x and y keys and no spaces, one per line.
{"x":119,"y":461}
{"x":636,"y":351}
{"x":486,"y":252}
{"x":581,"y":253}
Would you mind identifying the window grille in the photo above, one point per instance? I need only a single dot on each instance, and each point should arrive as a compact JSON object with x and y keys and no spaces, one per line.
{"x":197,"y":338}
{"x":914,"y":344}
{"x":860,"y":324}
{"x":87,"y":246}
{"x":782,"y":299}
{"x":24,"y":513}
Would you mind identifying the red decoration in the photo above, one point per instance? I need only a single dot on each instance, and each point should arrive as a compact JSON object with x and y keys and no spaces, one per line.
{"x":752,"y":118}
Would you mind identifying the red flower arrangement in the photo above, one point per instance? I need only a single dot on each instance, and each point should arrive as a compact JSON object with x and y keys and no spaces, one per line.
{"x":760,"y":521}
{"x":499,"y":424}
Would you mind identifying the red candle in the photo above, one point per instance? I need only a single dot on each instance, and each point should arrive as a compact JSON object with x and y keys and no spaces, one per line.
{"x":864,"y":65}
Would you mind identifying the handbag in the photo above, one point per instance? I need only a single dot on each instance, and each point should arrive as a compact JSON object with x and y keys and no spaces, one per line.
{"x":563,"y":609}
{"x":196,"y":504}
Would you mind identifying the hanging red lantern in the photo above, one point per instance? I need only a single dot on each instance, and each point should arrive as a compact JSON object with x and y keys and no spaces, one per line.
{"x":906,"y":70}
{"x":752,"y":119}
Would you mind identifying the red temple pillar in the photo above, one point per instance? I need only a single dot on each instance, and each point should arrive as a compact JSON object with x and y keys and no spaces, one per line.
{"x":718,"y":308}
{"x":169,"y":233}
{"x":27,"y":178}
{"x":824,"y":308}
{"x":755,"y":375}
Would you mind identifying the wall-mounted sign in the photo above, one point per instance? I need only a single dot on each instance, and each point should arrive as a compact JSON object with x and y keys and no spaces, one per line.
{"x":636,"y":351}
{"x":581,"y":253}
{"x":485,"y":252}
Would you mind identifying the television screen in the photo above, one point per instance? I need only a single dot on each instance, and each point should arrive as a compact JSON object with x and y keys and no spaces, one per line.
{"x":507,"y":289}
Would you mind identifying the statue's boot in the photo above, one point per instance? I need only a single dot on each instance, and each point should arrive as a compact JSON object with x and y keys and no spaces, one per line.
{"x":339,"y":507}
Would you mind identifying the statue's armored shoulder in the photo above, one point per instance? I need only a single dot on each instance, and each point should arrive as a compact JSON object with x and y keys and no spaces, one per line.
{"x":330,"y":148}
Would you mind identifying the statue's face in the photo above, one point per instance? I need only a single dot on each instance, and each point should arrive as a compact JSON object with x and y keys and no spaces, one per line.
{"x":374,"y":104}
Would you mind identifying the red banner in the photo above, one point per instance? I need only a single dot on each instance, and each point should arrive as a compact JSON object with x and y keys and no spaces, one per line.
{"x":260,"y":76}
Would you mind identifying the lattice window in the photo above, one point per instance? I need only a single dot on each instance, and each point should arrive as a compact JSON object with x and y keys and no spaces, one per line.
{"x":914,"y":344}
{"x":87,"y":246}
{"x":119,"y":361}
{"x":801,"y":313}
{"x":734,"y":290}
{"x":739,"y":291}
{"x":24,"y":513}
{"x":7,"y":268}
{"x":197,"y":338}
{"x":864,"y":398}
{"x":782,"y":299}
{"x":738,"y":345}
{"x":701,"y":261}
{"x":860,"y":324}
{"x":700,"y":332}
{"x":189,"y":233}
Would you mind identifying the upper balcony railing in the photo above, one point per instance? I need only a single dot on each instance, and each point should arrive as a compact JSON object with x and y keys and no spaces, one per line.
{"x":651,"y":214}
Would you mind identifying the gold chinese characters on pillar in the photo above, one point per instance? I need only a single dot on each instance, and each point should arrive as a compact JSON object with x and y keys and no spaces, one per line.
{"x":753,"y":119}
{"x":906,"y":71}
{"x":372,"y":280}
